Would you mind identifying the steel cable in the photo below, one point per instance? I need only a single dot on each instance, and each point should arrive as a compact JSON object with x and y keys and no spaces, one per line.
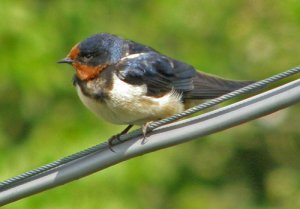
{"x":257,"y":85}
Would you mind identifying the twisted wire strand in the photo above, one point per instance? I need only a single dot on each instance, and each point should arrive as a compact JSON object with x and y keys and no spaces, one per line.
{"x":14,"y":180}
{"x":5,"y":184}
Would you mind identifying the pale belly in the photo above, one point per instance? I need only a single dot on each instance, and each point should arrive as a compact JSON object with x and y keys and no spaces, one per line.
{"x":129,"y":104}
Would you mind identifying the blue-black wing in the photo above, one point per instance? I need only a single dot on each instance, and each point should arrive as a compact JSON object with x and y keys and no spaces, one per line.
{"x":159,"y":73}
{"x":208,"y":86}
{"x":162,"y":74}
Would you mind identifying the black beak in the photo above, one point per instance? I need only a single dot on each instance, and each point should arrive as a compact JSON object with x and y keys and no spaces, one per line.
{"x":65,"y":60}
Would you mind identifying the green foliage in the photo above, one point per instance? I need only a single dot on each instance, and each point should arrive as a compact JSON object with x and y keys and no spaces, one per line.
{"x":255,"y":165}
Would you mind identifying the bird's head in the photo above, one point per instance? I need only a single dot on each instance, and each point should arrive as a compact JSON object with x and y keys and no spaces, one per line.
{"x":92,"y":55}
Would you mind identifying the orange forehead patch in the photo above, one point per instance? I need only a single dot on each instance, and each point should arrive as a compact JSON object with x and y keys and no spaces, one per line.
{"x":74,"y":52}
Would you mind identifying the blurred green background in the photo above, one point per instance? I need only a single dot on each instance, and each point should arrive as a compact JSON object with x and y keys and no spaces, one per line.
{"x":252,"y":166}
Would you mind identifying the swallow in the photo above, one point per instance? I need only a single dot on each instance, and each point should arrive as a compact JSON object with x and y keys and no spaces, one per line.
{"x":128,"y":83}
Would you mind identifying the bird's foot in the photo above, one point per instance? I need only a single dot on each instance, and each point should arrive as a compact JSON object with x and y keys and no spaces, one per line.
{"x":145,"y":130}
{"x":111,"y":140}
{"x":117,"y":137}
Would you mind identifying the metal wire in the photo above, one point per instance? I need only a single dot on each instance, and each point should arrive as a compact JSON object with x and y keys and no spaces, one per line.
{"x":173,"y":134}
{"x":99,"y":147}
{"x":5,"y":184}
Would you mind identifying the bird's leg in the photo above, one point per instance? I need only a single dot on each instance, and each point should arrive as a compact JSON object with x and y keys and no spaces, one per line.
{"x":117,"y":136}
{"x":126,"y":130}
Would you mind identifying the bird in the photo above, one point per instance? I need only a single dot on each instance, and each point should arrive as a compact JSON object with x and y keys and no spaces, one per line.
{"x":128,"y":83}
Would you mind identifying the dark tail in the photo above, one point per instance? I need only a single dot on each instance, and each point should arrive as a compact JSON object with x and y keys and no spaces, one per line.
{"x":209,"y":86}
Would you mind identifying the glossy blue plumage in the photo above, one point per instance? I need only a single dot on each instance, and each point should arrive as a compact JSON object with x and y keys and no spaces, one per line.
{"x":137,"y":64}
{"x":159,"y":73}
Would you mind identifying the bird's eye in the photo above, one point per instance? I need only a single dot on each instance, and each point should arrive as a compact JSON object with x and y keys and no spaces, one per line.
{"x":87,"y":57}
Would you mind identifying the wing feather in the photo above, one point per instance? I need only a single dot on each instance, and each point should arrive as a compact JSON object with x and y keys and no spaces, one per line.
{"x":209,"y":87}
{"x":160,"y":74}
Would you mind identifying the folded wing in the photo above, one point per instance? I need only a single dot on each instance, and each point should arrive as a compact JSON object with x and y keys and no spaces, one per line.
{"x":162,"y":74}
{"x":159,"y":73}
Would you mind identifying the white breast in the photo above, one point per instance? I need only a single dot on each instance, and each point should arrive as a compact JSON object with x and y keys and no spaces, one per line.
{"x":128,"y":104}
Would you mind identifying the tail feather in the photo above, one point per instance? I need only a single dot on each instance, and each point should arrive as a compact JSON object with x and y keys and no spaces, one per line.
{"x":209,"y":86}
